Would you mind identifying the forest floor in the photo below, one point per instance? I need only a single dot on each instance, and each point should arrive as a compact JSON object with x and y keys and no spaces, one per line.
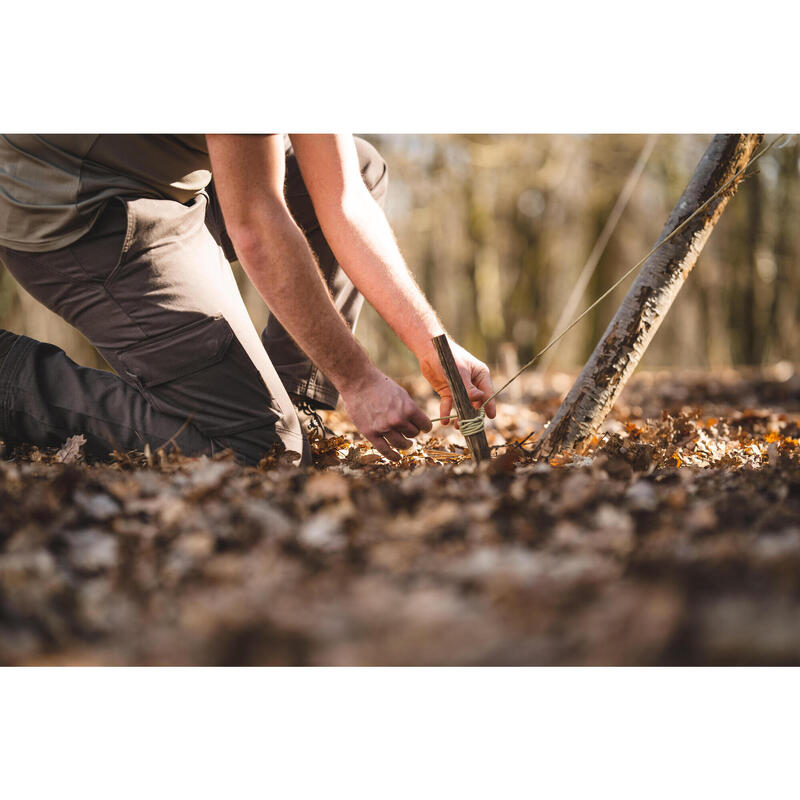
{"x":673,"y":539}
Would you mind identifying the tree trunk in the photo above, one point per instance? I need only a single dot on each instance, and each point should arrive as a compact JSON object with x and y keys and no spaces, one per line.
{"x":646,"y":304}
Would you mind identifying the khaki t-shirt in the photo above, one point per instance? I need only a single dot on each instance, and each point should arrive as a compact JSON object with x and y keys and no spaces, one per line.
{"x":53,"y":187}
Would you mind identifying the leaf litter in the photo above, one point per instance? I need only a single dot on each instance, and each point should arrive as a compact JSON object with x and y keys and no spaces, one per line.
{"x":672,"y":537}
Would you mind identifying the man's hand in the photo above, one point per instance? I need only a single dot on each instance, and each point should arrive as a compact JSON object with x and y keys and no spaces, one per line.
{"x":474,"y":373}
{"x":249,"y":176}
{"x":384,"y":413}
{"x":360,"y":237}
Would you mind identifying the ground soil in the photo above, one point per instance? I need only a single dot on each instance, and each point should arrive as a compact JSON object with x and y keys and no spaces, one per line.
{"x":672,"y":538}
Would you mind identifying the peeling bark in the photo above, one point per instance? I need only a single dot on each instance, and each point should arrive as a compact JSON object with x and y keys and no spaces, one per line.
{"x":626,"y":338}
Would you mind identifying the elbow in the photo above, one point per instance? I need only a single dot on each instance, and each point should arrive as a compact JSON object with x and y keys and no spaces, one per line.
{"x":246,"y":238}
{"x":349,"y":209}
{"x":259,"y":230}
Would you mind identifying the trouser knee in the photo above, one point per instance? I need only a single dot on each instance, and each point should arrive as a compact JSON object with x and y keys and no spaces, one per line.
{"x":252,"y":446}
{"x":373,"y":169}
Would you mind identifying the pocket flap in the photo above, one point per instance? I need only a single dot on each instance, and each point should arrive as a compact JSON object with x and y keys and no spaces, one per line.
{"x":178,"y":353}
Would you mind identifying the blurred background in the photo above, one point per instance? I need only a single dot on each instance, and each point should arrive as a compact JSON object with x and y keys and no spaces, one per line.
{"x":497,"y":229}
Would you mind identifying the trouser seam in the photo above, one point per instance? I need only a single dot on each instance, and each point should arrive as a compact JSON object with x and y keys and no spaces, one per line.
{"x":238,"y":428}
{"x":15,"y":359}
{"x":107,"y":284}
{"x":64,"y":433}
{"x":45,"y":421}
{"x":12,"y":364}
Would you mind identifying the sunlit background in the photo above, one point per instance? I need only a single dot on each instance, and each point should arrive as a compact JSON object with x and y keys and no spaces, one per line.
{"x":497,"y":229}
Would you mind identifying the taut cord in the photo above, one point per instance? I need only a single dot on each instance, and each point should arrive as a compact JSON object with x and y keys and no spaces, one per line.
{"x":476,"y":424}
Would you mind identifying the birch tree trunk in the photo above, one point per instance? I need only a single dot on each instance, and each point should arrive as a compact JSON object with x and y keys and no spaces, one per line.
{"x":646,"y":304}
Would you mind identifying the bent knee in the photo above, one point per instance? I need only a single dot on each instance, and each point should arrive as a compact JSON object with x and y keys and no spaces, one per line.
{"x":251,"y":446}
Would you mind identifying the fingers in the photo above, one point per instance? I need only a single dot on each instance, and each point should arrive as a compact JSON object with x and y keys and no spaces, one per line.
{"x":384,"y":444}
{"x":445,"y":407}
{"x":409,"y":422}
{"x":397,"y":440}
{"x":420,"y":419}
{"x":475,"y":396}
{"x":412,"y":420}
{"x":478,"y":384}
{"x":386,"y":415}
{"x":395,"y":437}
{"x":407,"y":429}
{"x":482,"y":383}
{"x":475,"y":375}
{"x":380,"y":444}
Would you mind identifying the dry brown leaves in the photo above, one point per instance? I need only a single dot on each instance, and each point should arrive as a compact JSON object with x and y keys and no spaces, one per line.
{"x":672,"y":537}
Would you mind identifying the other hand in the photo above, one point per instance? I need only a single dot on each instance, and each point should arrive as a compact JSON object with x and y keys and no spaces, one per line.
{"x":384,"y":413}
{"x":474,"y":373}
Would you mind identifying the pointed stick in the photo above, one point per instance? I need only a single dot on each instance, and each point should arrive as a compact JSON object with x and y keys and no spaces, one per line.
{"x":478,"y":446}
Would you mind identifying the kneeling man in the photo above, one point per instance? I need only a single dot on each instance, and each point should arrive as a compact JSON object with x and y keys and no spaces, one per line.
{"x":129,"y":239}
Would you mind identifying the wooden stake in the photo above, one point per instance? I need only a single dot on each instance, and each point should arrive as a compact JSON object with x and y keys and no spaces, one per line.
{"x":478,"y":446}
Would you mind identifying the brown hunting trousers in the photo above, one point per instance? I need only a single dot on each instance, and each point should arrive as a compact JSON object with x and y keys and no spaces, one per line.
{"x":151,"y":287}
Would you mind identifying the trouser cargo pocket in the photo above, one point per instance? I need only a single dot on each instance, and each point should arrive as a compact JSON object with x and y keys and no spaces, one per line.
{"x":201,"y":372}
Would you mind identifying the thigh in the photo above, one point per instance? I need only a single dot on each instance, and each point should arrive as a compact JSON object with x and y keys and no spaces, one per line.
{"x":152,"y":290}
{"x":60,"y":281}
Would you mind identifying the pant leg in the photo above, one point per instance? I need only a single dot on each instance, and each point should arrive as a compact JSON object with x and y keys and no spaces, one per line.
{"x":151,"y":289}
{"x":45,"y":398}
{"x":299,"y":375}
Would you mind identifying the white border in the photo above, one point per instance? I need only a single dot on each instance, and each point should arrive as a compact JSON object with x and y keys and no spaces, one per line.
{"x":398,"y":733}
{"x":468,"y":66}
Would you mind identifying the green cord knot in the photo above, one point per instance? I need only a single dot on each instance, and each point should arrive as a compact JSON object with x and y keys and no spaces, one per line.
{"x":469,"y":427}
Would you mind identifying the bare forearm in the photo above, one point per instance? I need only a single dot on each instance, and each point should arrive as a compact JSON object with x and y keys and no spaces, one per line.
{"x":249,"y":175}
{"x":362,"y":240}
{"x":281,"y":266}
{"x":363,"y":243}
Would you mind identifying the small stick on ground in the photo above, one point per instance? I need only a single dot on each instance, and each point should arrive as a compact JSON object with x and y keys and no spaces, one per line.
{"x":478,"y":446}
{"x":171,"y":440}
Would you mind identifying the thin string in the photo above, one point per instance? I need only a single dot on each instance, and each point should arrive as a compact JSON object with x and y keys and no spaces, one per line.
{"x":602,"y":241}
{"x":476,"y":425}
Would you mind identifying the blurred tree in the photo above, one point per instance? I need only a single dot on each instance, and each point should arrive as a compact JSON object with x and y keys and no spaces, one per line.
{"x":497,"y":227}
{"x":650,"y":298}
